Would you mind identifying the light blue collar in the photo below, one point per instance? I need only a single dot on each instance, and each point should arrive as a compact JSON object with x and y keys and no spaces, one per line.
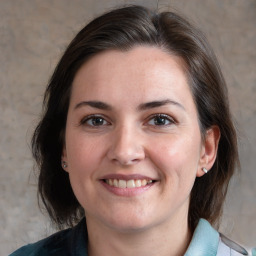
{"x":205,"y":240}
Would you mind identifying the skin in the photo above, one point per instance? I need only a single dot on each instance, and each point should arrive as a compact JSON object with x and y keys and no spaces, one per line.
{"x":128,"y":138}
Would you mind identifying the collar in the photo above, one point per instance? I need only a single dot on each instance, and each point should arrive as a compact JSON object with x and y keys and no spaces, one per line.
{"x":205,"y":240}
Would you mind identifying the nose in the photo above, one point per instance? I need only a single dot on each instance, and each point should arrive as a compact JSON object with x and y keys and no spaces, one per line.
{"x":126,"y":146}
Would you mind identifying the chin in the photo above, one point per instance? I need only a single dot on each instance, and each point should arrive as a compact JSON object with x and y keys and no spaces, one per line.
{"x":126,"y":223}
{"x":129,"y":224}
{"x":130,"y":227}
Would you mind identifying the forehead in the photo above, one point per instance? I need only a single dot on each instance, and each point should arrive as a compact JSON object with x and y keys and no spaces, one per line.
{"x":143,"y":71}
{"x":146,"y":58}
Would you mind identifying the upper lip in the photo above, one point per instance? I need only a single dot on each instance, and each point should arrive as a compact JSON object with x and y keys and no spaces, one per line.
{"x":126,"y":177}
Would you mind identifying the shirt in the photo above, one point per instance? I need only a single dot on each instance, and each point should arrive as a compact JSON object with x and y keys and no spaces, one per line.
{"x":206,"y":241}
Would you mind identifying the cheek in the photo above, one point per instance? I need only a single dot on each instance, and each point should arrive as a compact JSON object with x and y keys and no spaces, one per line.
{"x":82,"y":152}
{"x":83,"y":157}
{"x":177,"y":158}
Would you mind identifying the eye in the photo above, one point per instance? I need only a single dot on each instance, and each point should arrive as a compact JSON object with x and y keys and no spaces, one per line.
{"x":160,"y":120}
{"x":94,"y":121}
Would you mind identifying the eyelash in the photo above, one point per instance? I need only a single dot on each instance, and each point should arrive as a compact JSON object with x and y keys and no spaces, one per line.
{"x":93,"y":117}
{"x":163,"y":117}
{"x":152,"y":117}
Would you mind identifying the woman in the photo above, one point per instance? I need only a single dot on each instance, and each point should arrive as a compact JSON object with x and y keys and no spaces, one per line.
{"x":136,"y":145}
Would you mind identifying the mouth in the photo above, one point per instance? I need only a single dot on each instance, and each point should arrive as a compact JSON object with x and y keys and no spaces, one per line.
{"x":127,"y":185}
{"x":132,"y":183}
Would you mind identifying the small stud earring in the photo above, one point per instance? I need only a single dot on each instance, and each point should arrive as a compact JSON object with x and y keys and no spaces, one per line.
{"x":64,"y":164}
{"x":204,"y":170}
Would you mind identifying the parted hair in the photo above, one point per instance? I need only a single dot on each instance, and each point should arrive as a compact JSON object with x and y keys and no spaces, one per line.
{"x":122,"y":29}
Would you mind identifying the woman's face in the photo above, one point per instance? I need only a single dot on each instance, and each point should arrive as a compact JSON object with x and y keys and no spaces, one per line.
{"x":133,"y":144}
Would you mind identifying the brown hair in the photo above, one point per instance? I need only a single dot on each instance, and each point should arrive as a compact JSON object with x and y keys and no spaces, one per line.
{"x":123,"y":29}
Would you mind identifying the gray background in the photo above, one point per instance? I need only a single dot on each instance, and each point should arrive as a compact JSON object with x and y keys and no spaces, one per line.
{"x":34,"y":33}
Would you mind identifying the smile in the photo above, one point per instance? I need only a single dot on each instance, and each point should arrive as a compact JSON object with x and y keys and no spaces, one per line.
{"x":128,"y":184}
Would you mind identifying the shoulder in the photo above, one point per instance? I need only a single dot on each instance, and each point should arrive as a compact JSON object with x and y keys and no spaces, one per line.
{"x":229,"y":247}
{"x":66,"y":242}
{"x":45,"y":246}
{"x":208,"y":241}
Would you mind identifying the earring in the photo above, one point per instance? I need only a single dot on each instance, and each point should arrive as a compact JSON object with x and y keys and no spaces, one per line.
{"x":64,"y":164}
{"x":204,"y":170}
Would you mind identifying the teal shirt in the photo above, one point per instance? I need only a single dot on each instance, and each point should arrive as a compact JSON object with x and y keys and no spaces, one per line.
{"x":206,"y":241}
{"x":71,"y":242}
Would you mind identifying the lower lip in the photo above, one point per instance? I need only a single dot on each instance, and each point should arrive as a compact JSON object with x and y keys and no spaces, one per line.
{"x":127,"y":192}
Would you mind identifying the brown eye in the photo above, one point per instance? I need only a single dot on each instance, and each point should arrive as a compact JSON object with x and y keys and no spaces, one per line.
{"x":160,"y":120}
{"x":97,"y":121}
{"x":94,"y":121}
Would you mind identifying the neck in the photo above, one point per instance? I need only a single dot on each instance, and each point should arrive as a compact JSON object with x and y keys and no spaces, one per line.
{"x":168,"y":239}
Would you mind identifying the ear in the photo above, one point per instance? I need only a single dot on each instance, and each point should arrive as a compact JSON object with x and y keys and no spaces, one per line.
{"x":209,"y":150}
{"x":64,"y":161}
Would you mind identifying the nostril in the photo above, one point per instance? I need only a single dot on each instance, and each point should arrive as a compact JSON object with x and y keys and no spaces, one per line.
{"x":126,"y":151}
{"x":126,"y":159}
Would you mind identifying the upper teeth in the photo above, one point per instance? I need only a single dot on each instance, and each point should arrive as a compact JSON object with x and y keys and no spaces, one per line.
{"x":127,"y":184}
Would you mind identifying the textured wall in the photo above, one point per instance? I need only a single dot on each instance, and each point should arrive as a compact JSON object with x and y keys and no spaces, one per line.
{"x":34,"y":33}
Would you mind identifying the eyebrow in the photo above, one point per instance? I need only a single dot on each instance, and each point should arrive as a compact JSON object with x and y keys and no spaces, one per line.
{"x":94,"y":104}
{"x":144,"y":106}
{"x":156,"y":104}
